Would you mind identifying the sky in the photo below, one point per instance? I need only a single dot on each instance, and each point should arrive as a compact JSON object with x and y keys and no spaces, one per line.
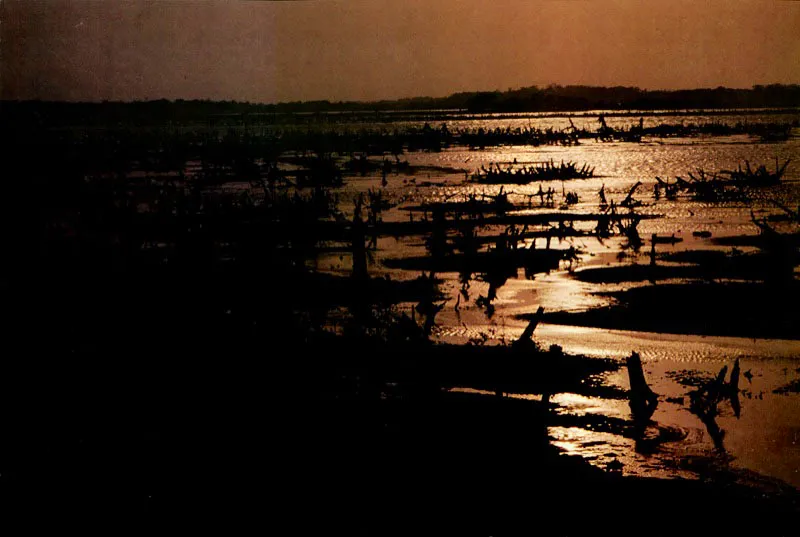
{"x":268,"y":51}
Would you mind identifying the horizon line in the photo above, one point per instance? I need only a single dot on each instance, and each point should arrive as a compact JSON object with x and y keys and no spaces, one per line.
{"x":393,"y":100}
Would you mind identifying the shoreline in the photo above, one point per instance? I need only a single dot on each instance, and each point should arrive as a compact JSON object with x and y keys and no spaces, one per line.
{"x":703,"y":309}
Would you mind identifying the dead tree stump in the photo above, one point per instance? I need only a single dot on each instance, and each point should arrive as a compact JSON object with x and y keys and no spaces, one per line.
{"x":643,"y":401}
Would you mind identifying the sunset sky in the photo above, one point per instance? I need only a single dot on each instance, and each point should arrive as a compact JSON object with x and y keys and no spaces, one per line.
{"x":264,"y":51}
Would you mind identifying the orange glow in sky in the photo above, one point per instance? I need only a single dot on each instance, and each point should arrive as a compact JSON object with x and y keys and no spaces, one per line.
{"x":375,"y":49}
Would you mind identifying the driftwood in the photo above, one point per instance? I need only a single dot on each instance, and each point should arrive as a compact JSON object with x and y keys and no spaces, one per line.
{"x":524,"y":174}
{"x":724,"y":184}
{"x":704,"y":402}
{"x":525,"y":339}
{"x":733,"y":389}
{"x":525,"y":342}
{"x":629,"y":201}
{"x":793,"y":215}
{"x":643,"y":401}
{"x":760,"y":176}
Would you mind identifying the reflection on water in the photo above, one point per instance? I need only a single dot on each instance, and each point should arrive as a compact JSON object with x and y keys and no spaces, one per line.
{"x":758,"y":430}
{"x":581,"y":405}
{"x":677,"y":348}
{"x":617,"y":453}
{"x":764,"y":437}
{"x":755,"y":430}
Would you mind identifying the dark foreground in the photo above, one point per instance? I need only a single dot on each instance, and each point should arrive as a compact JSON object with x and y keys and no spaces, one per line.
{"x":329,"y":447}
{"x":170,"y":362}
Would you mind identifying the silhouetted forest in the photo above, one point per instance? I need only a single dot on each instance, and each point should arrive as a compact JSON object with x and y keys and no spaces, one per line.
{"x":531,"y":99}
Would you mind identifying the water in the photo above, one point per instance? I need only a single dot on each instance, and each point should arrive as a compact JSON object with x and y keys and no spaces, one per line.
{"x":760,"y":444}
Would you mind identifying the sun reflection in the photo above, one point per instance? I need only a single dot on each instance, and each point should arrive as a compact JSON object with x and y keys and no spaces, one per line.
{"x":523,"y":396}
{"x":581,"y":405}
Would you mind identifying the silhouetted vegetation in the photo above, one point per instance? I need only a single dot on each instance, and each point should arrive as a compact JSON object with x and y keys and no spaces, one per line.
{"x":170,"y":336}
{"x":538,"y":171}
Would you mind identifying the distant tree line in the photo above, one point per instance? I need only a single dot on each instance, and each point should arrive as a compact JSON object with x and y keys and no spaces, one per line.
{"x":531,"y":99}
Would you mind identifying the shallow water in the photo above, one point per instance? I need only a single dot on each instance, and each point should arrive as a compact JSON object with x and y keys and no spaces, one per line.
{"x":765,"y":437}
{"x":760,"y":444}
